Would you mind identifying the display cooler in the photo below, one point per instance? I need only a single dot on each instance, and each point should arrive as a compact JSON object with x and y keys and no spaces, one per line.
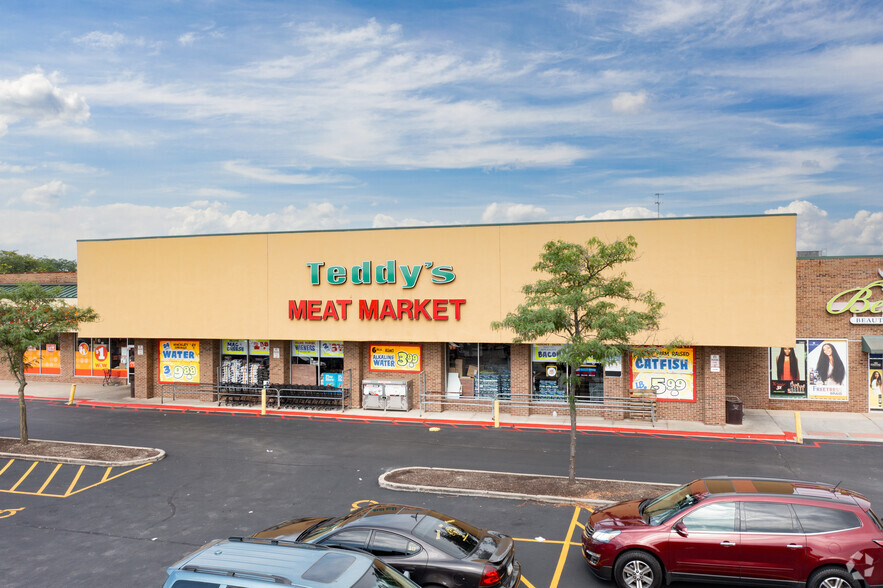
{"x":386,"y":394}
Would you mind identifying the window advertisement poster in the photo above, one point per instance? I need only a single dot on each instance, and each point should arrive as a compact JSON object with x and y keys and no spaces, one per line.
{"x":672,"y":374}
{"x":50,"y":359}
{"x":178,"y":362}
{"x":259,"y":347}
{"x":234,"y":347}
{"x":32,"y":360}
{"x":788,"y":371}
{"x":828,"y":371}
{"x":395,"y":358}
{"x":83,"y":358}
{"x":100,"y":359}
{"x":875,"y":381}
{"x":549,"y":354}
{"x":309,"y":348}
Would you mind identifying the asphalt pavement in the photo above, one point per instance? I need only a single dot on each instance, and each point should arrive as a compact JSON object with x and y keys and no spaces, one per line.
{"x":758,"y":424}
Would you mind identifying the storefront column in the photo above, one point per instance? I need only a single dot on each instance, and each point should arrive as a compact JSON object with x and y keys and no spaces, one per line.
{"x":67,"y":345}
{"x":520,"y":369}
{"x":352,"y":368}
{"x":145,"y":368}
{"x":208,"y":361}
{"x":714,"y":384}
{"x":280,"y":362}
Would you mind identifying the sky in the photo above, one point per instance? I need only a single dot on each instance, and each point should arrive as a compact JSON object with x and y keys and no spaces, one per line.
{"x":153,"y":118}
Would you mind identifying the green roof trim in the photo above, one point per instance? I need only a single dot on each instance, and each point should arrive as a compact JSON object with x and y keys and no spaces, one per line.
{"x":67,"y":290}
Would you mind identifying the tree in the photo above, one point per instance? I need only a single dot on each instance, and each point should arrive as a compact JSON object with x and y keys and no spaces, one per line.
{"x":29,"y":317}
{"x":596,"y":312}
{"x":12,"y":262}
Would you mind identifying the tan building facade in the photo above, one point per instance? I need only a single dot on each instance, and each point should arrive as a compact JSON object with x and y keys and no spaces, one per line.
{"x":343,"y":309}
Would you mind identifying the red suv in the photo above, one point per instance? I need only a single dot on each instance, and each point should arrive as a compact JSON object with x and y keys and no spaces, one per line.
{"x":762,"y":532}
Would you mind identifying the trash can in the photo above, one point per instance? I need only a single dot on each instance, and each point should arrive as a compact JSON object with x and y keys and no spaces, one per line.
{"x":734,"y":410}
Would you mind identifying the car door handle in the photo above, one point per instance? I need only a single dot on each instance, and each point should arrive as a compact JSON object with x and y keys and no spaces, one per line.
{"x":727,"y":543}
{"x":794,"y":546}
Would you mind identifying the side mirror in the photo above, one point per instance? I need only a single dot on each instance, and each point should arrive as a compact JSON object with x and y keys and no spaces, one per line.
{"x":680,"y":528}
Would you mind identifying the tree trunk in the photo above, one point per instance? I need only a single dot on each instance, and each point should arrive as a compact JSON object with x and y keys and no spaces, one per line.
{"x":22,"y":413}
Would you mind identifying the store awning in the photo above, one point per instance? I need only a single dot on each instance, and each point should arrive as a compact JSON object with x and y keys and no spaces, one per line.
{"x":872,"y":344}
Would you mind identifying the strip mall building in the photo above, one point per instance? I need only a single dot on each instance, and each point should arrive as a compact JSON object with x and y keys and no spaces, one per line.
{"x":347,"y":308}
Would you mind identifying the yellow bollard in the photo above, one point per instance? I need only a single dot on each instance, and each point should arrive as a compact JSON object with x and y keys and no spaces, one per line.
{"x":73,"y":391}
{"x":797,"y":427}
{"x":496,"y":414}
{"x":264,"y":401}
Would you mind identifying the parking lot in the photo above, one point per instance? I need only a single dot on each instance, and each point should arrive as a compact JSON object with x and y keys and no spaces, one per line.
{"x":226,"y":476}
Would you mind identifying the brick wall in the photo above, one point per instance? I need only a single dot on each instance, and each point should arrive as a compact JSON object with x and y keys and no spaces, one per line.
{"x":40,"y":278}
{"x":433,"y":368}
{"x":280,"y":367}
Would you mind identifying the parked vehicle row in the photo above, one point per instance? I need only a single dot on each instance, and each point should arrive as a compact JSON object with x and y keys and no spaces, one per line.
{"x":382,"y":545}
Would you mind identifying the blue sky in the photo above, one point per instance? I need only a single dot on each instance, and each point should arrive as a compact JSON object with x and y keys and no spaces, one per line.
{"x":122,"y":119}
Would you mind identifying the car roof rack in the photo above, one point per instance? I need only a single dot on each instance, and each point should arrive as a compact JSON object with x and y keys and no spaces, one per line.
{"x":237,"y":574}
{"x":282,"y":542}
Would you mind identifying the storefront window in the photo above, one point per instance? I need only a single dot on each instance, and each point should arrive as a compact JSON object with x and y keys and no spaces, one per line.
{"x":46,"y":360}
{"x":244,"y":362}
{"x":317,"y":363}
{"x":479,"y":369}
{"x":550,"y":377}
{"x":102,"y":357}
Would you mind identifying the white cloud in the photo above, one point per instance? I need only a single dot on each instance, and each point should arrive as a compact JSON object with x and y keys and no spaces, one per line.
{"x":384,"y":221}
{"x":662,"y":14}
{"x":265,"y":175}
{"x":58,"y":235}
{"x":629,"y":102}
{"x":504,"y":212}
{"x":861,"y":234}
{"x":15,"y":169}
{"x":219,"y":193}
{"x":100,"y":40}
{"x":44,"y":196}
{"x":35,"y":96}
{"x":188,"y":38}
{"x":623,"y":213}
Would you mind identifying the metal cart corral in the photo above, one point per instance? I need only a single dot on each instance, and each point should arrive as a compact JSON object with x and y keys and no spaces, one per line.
{"x":386,"y":394}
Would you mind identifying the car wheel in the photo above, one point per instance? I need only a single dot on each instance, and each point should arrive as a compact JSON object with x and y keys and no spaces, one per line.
{"x":831,"y":577}
{"x":637,"y":569}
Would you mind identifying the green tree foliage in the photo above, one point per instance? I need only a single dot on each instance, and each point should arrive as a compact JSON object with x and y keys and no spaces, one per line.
{"x":29,"y":317}
{"x":12,"y":262}
{"x":595,"y":311}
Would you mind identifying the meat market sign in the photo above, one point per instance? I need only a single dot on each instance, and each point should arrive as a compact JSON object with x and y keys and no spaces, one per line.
{"x":367,"y":272}
{"x":866,"y":308}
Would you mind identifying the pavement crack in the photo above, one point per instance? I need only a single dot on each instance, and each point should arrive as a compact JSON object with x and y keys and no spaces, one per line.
{"x":108,"y":535}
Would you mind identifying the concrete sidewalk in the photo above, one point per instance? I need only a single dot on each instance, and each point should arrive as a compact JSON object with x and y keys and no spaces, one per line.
{"x":756,"y":424}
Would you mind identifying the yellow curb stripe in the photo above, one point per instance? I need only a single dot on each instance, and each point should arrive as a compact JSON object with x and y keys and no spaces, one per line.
{"x":8,"y":463}
{"x":49,"y":479}
{"x":565,"y":549}
{"x":22,"y":479}
{"x":76,"y":479}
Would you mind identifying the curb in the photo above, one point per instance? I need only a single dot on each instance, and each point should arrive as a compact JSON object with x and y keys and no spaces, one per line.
{"x":159,"y":454}
{"x":384,"y":483}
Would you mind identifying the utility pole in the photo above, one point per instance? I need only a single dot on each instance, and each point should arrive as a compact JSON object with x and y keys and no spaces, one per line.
{"x":658,"y":202}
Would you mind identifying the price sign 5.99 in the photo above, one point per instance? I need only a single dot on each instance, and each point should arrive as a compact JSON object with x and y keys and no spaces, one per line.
{"x":670,"y":374}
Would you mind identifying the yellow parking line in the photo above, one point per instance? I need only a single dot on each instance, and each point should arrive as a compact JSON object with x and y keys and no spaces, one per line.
{"x":105,"y":479}
{"x":76,"y":478}
{"x":106,"y":473}
{"x":526,"y":583}
{"x":565,"y":549}
{"x":8,"y":463}
{"x":49,"y":479}
{"x":22,"y":479}
{"x":550,"y":541}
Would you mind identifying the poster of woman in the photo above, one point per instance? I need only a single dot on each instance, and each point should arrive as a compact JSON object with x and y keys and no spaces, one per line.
{"x":875,"y":382}
{"x":788,"y":371}
{"x":828,"y":369}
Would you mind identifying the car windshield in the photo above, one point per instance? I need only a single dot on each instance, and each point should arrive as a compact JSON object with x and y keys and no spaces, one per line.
{"x":454,"y":537}
{"x":662,"y":508}
{"x":326,"y":527}
{"x":381,"y":575}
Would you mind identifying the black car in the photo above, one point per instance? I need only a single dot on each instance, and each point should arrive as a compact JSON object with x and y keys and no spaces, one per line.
{"x":431,"y":548}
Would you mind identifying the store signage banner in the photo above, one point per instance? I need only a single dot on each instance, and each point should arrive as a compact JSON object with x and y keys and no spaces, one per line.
{"x":827,"y":362}
{"x":309,"y":349}
{"x":234,"y":347}
{"x":788,"y":371}
{"x":100,"y":359}
{"x":259,"y":347}
{"x":875,"y":381}
{"x":860,"y":301}
{"x":549,"y":354}
{"x":178,"y":362}
{"x":671,"y":374}
{"x":396,"y":358}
